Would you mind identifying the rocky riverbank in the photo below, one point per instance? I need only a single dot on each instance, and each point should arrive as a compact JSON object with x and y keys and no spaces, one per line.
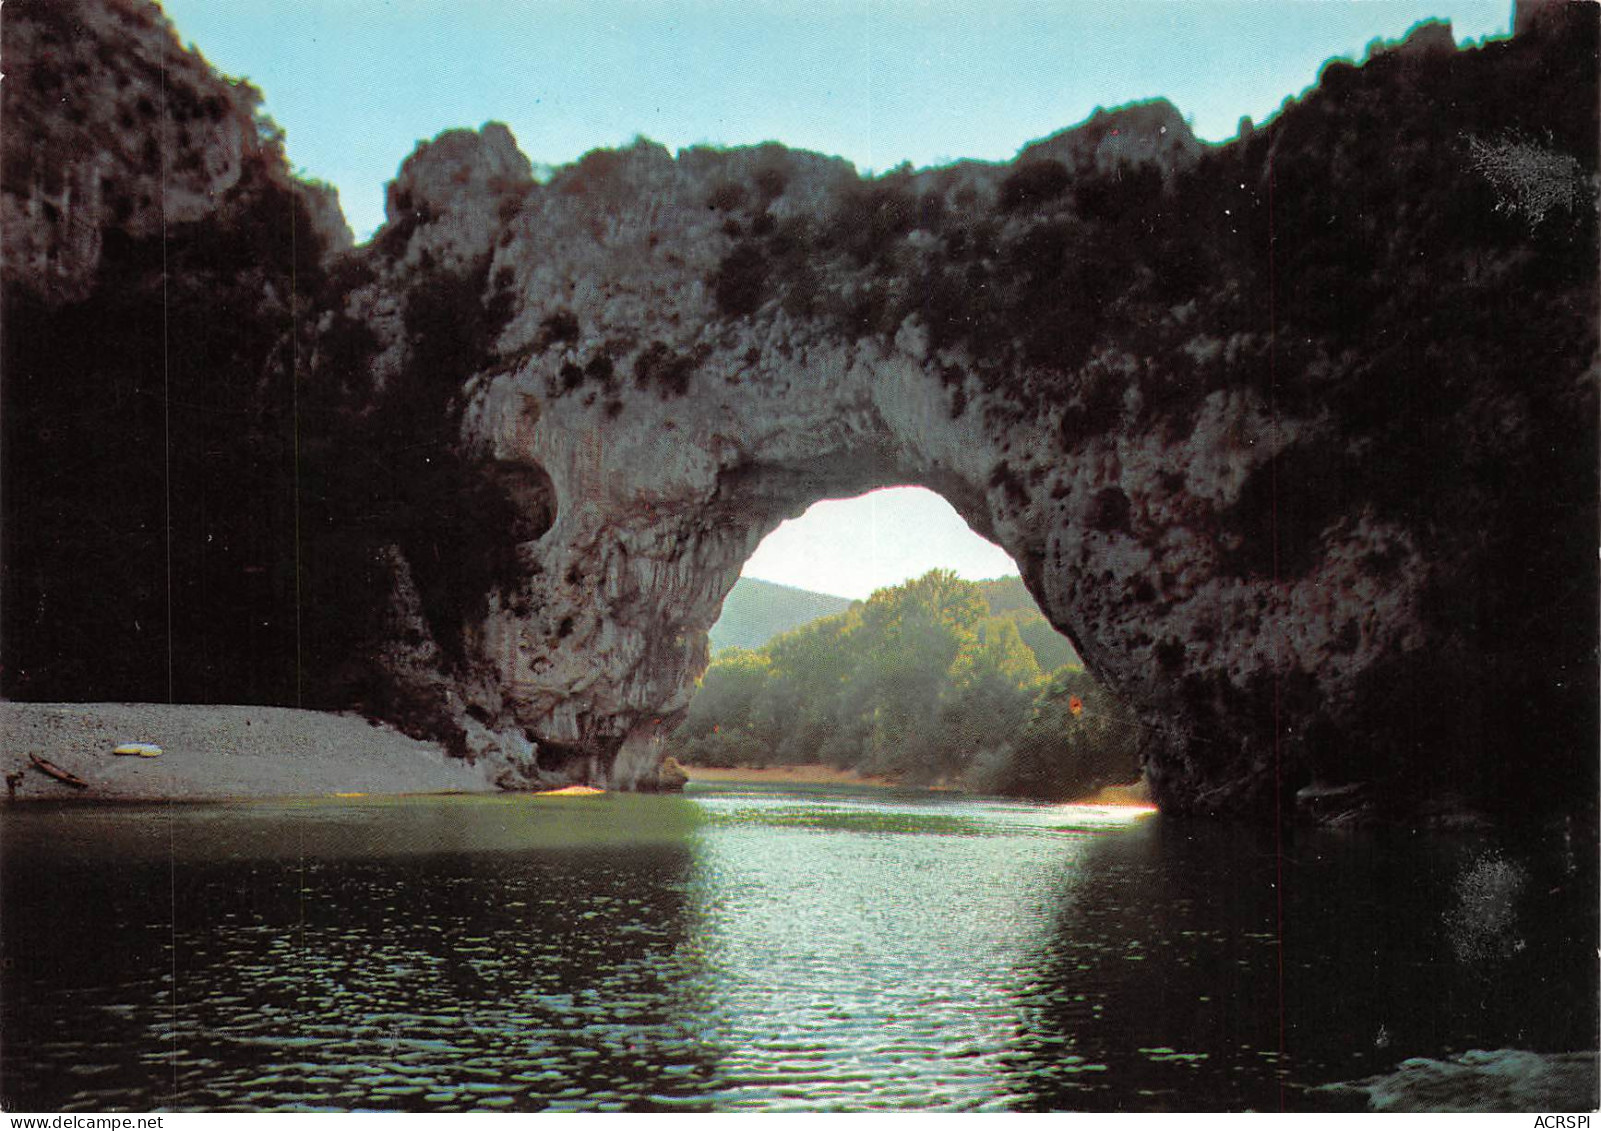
{"x":217,"y":753}
{"x":1480,"y":1080}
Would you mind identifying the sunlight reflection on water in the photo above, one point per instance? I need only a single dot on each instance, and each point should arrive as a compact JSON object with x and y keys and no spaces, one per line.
{"x":744,"y":949}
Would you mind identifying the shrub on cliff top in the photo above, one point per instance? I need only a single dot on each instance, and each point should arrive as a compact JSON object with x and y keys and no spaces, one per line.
{"x":660,"y":366}
{"x":871,"y":217}
{"x":740,"y":285}
{"x":1033,"y":183}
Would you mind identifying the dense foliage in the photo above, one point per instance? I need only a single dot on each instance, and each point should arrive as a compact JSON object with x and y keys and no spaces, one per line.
{"x":923,"y":681}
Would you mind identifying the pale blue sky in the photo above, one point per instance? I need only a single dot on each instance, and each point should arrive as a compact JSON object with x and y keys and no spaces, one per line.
{"x":356,"y":83}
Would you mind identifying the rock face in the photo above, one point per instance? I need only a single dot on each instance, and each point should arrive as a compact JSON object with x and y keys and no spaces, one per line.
{"x":1480,"y":1080}
{"x":112,"y":126}
{"x":1294,"y":437}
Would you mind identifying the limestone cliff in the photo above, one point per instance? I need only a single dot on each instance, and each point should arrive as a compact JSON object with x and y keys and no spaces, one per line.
{"x":112,"y":126}
{"x":1295,"y":437}
{"x":1228,"y":410}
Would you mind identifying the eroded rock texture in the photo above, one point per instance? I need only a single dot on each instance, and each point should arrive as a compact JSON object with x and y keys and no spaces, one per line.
{"x":1295,"y":437}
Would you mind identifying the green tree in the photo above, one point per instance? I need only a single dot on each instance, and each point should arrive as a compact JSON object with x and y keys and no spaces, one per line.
{"x":727,"y":691}
{"x":1051,"y":649}
{"x":1078,"y":739}
{"x":989,"y":696}
{"x":811,"y":668}
{"x":912,"y":635}
{"x":920,"y":682}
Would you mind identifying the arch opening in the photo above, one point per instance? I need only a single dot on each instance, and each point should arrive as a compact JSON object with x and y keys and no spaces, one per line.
{"x":880,"y":638}
{"x":852,"y":546}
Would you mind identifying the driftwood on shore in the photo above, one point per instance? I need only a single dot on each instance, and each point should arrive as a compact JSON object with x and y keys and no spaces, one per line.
{"x":55,"y":771}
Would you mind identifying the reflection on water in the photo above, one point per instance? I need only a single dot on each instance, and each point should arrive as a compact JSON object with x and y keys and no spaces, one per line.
{"x":749,"y":949}
{"x":1156,"y":986}
{"x":440,"y":955}
{"x":1165,"y":963}
{"x":864,"y":953}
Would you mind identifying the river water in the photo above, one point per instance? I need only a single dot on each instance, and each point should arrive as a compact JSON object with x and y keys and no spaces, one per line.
{"x":758,"y":949}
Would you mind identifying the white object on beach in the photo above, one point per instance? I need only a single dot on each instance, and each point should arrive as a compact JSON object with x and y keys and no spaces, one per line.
{"x":142,"y":749}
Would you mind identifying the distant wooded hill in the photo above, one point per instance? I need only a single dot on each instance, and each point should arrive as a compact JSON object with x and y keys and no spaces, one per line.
{"x":1010,"y":600}
{"x":927,"y":681}
{"x":756,"y":611}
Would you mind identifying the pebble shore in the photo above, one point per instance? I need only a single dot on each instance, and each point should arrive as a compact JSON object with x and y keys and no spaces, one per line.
{"x":218,"y":753}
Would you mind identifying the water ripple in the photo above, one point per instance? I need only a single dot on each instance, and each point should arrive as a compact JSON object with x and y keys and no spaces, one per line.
{"x":734,"y":952}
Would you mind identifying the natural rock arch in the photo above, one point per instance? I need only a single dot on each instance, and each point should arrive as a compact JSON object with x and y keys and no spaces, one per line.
{"x":1199,"y":519}
{"x":704,"y":345}
{"x":657,"y":513}
{"x":1294,"y":436}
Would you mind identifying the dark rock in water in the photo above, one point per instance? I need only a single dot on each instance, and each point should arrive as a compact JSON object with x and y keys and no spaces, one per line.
{"x":1339,"y":804}
{"x":670,"y":777}
{"x":1502,"y":1080}
{"x":1294,"y":437}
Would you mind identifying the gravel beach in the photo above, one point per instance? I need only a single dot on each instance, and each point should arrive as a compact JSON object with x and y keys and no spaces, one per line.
{"x":216,"y":753}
